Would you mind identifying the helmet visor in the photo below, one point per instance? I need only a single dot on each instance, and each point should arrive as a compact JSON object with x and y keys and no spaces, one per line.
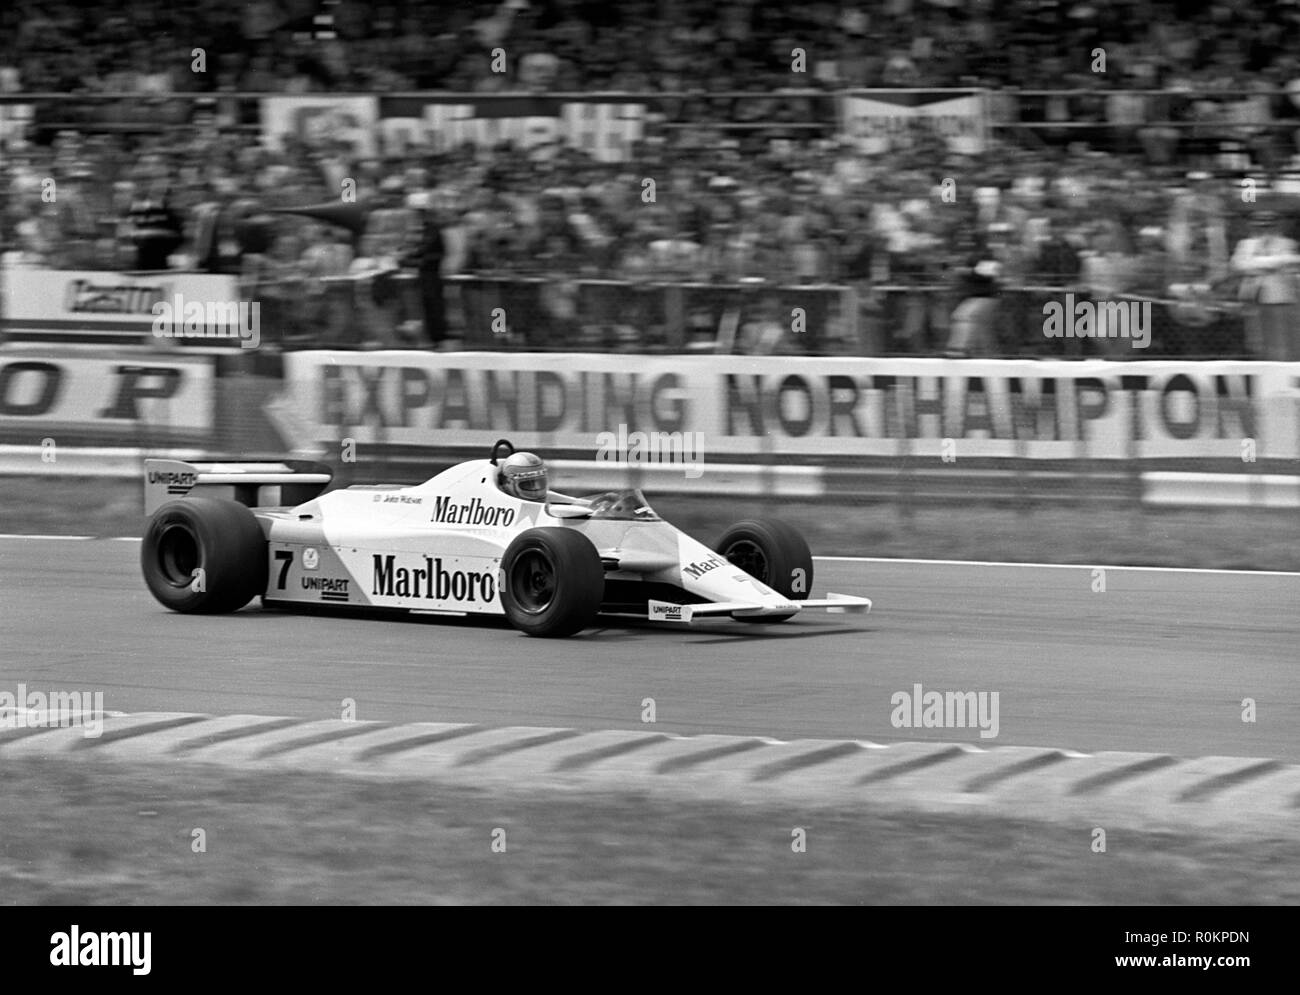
{"x":531,"y":486}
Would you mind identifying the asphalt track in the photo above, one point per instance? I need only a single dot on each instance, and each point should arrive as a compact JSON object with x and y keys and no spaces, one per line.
{"x":1159,"y":662}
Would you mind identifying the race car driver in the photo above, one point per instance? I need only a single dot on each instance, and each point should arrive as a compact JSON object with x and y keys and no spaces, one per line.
{"x":523,"y":475}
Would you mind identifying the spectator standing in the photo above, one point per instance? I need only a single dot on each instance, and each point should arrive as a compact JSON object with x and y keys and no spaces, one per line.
{"x":973,"y":319}
{"x":327,"y":300}
{"x":428,"y":256}
{"x":1107,"y":272}
{"x":34,"y":248}
{"x":78,"y":228}
{"x":764,"y":333}
{"x":1268,"y":261}
{"x":1054,"y":261}
{"x":1196,"y":235}
{"x":1151,"y":267}
{"x":155,"y":227}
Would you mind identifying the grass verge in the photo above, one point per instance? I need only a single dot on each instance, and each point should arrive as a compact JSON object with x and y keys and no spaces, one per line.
{"x":84,"y":833}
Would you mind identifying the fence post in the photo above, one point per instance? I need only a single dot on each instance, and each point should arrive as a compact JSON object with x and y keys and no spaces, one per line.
{"x":850,"y":320}
{"x":767,"y":490}
{"x":674,"y":317}
{"x":1082,"y":471}
{"x":1021,"y":466}
{"x":1134,"y":467}
{"x":905,"y":491}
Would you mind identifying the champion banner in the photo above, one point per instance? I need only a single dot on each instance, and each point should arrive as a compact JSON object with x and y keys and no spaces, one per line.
{"x":604,"y":126}
{"x":802,"y":407}
{"x":882,"y":120}
{"x":108,"y":394}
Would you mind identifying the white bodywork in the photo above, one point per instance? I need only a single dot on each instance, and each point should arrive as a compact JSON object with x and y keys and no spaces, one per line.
{"x":437,"y":547}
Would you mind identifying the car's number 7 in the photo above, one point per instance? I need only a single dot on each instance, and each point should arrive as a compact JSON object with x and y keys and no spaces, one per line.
{"x":285,"y":557}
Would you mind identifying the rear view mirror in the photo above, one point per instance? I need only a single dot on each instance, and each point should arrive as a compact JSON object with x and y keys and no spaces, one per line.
{"x":568,"y":511}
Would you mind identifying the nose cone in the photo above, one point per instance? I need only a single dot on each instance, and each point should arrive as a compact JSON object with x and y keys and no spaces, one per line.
{"x":707,"y":574}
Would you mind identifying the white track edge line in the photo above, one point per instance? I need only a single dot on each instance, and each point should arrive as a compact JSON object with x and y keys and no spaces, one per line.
{"x":1055,"y":566}
{"x":18,"y":535}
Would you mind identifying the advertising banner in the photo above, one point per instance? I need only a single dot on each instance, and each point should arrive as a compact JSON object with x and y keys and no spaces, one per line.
{"x":604,"y":126}
{"x":107,"y":394}
{"x":315,"y":120}
{"x":15,"y":123}
{"x":73,"y":301}
{"x":803,"y":407}
{"x":878,"y":121}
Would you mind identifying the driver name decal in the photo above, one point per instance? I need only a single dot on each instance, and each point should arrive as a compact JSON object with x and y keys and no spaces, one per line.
{"x":473,"y":512}
{"x":431,"y":581}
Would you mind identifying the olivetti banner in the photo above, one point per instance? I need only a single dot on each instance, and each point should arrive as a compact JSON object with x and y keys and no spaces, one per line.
{"x":605,"y":126}
{"x":803,"y":406}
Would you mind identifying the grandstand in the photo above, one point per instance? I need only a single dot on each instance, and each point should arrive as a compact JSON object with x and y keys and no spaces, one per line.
{"x":661,"y":177}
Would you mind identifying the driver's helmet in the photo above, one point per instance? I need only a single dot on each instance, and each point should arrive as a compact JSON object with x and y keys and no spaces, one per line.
{"x":524,"y":476}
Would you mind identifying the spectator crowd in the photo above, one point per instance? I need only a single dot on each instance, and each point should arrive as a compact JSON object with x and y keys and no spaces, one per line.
{"x":297,"y":46}
{"x":747,"y":222}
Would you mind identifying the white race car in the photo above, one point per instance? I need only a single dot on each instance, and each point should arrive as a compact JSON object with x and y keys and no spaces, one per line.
{"x":457,"y":544}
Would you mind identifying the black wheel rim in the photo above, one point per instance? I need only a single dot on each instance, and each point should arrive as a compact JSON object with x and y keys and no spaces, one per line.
{"x":178,"y":555}
{"x":533,"y":581}
{"x":749,"y":557}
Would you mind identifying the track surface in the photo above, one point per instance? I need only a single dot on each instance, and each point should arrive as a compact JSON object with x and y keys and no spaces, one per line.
{"x":1160,"y":662}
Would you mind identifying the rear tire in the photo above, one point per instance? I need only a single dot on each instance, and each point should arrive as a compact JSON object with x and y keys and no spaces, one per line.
{"x":552,"y":582}
{"x":773,"y":552}
{"x":204,"y":556}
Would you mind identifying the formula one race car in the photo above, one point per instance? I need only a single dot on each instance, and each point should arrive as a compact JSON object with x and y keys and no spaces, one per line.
{"x":484,"y":537}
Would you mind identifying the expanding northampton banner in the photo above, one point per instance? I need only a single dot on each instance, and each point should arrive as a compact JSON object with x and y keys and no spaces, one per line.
{"x":748,"y":406}
{"x":877,"y":121}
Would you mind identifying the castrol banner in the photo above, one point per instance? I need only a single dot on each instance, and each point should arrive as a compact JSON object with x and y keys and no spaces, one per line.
{"x":113,"y":306}
{"x":805,"y":407}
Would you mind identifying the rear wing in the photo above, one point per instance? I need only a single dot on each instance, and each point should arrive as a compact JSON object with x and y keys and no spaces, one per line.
{"x":257,"y":484}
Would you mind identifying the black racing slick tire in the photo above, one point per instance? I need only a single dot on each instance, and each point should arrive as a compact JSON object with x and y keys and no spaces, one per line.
{"x":204,"y":556}
{"x":552,"y":582}
{"x":773,"y":552}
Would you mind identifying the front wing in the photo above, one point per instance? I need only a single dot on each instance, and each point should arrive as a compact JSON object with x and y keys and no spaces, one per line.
{"x":666,"y":611}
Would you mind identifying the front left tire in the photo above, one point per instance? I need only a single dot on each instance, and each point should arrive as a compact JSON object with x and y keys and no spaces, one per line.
{"x":773,"y":552}
{"x":552,"y":582}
